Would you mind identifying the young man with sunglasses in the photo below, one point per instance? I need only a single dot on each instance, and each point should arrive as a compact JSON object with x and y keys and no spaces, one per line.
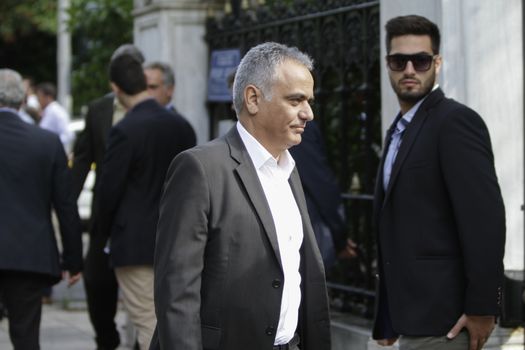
{"x":438,"y":209}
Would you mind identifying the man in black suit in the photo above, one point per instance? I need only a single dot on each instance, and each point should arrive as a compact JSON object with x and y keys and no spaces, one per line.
{"x":99,"y":278}
{"x":140,"y":149}
{"x":323,"y":197}
{"x":438,"y":207}
{"x":160,"y":79}
{"x":236,"y":263}
{"x":34,"y":178}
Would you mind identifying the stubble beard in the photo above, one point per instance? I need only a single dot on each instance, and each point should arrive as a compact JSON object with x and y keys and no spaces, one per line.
{"x":411,"y":96}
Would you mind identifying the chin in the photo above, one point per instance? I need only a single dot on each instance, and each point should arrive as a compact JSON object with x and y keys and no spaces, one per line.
{"x":295,"y":141}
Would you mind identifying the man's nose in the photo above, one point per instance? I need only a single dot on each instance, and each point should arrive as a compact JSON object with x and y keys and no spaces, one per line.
{"x":306,"y":112}
{"x":409,"y":68}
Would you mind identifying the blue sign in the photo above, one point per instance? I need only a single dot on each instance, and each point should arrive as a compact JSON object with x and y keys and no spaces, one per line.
{"x":223,"y":64}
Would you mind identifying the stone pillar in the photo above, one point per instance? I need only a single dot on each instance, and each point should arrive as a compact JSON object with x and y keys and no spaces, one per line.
{"x":64,"y":56}
{"x":482,"y":53}
{"x":173,"y":31}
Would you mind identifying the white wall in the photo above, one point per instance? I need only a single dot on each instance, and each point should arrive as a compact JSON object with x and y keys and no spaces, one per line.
{"x":483,"y":68}
{"x":173,"y":32}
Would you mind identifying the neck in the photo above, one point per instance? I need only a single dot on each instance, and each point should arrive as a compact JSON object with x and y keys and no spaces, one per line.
{"x":252,"y":130}
{"x":406,"y":106}
{"x":130,"y":101}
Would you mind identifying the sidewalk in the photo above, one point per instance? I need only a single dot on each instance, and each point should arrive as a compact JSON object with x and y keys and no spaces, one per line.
{"x":65,"y":326}
{"x":65,"y":323}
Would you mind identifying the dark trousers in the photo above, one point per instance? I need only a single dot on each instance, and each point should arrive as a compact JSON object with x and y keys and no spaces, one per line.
{"x":21,"y":293}
{"x":102,"y":293}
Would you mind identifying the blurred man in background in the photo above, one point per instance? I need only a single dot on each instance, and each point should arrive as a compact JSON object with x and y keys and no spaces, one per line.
{"x":34,"y":177}
{"x":99,"y":277}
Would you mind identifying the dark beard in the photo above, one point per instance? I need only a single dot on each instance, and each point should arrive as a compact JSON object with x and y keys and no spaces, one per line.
{"x":413,"y":97}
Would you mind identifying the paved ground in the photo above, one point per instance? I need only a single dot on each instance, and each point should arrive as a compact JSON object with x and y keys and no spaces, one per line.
{"x":65,"y":326}
{"x":65,"y":323}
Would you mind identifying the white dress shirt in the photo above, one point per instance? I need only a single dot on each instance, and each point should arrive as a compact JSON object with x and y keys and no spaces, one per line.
{"x":56,"y":119}
{"x":273,"y":175}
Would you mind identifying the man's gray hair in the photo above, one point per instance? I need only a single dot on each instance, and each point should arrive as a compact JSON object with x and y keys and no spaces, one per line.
{"x":12,"y":91}
{"x":128,"y":49}
{"x":168,"y":77}
{"x":258,"y":68}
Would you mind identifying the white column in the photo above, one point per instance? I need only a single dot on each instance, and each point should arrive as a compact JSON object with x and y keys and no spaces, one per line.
{"x":173,"y":31}
{"x":64,"y":56}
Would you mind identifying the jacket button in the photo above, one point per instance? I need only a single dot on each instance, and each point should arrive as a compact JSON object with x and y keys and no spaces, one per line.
{"x":276,"y":283}
{"x":270,"y":330}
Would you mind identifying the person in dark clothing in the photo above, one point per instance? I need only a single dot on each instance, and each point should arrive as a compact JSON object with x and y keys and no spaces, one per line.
{"x":140,"y":149}
{"x":323,"y":197}
{"x":34,"y":179}
{"x":99,"y":278}
{"x":438,"y":209}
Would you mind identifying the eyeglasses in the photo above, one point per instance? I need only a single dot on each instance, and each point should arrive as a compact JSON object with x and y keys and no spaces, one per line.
{"x":421,"y":62}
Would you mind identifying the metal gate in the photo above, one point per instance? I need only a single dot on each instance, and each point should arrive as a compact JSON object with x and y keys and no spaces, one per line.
{"x":343,"y":39}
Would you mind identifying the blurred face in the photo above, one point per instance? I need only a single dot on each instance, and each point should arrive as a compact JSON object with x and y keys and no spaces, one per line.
{"x":412,"y":68}
{"x":156,"y":87}
{"x":278,"y":123}
{"x":43,"y":99}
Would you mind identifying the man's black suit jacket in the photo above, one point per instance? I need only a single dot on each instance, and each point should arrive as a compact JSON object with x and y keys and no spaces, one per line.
{"x":90,"y":148}
{"x":440,"y":223}
{"x":140,"y":149}
{"x":34,"y":178}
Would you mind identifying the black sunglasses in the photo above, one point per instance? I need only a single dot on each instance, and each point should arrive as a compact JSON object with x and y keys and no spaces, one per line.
{"x":421,"y":62}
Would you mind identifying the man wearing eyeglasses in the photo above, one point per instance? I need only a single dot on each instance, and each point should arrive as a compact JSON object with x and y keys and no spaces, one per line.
{"x":438,"y":209}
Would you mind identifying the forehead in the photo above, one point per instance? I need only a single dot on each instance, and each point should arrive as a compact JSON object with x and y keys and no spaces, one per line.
{"x":294,"y":75}
{"x":410,"y":44}
{"x":153,"y":73}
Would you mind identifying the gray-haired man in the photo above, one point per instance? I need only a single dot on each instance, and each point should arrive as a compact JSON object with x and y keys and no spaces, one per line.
{"x":34,"y":178}
{"x":236,"y":263}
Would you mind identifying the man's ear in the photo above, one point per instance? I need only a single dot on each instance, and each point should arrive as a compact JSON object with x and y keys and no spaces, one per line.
{"x":114,"y":87}
{"x":438,"y":61}
{"x":251,"y":99}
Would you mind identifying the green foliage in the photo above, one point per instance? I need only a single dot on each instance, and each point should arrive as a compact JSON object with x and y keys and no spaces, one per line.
{"x":21,"y":17}
{"x":28,"y":37}
{"x":99,"y":27}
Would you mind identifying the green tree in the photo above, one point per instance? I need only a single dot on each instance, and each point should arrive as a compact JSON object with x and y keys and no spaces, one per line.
{"x":28,"y":37}
{"x":99,"y":27}
{"x":21,"y":17}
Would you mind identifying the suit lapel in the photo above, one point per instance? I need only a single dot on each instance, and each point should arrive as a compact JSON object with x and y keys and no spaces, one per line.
{"x":379,"y":190}
{"x":106,"y":112}
{"x":410,"y":135}
{"x":253,"y":187}
{"x":295,"y":184}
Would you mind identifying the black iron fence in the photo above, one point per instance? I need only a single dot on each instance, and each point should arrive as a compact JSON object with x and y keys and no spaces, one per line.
{"x":343,"y":38}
